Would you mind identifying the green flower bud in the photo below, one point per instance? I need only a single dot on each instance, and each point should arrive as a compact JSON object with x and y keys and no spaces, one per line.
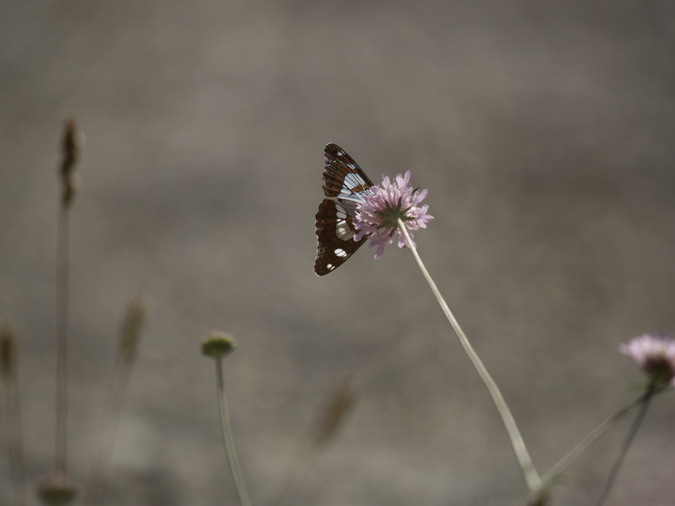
{"x":218,"y":344}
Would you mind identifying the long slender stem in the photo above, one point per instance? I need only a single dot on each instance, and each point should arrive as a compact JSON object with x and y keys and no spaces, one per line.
{"x":294,"y":479}
{"x":530,"y":473}
{"x":10,"y":379}
{"x":646,"y":400}
{"x":15,"y":436}
{"x":116,"y":389}
{"x":228,"y":439}
{"x":127,"y":350}
{"x":61,"y":440}
{"x":553,"y":474}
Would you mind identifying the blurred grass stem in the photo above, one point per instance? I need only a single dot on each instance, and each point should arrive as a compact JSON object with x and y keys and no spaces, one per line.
{"x":228,"y":438}
{"x":15,"y":430}
{"x":61,"y":453}
{"x":558,"y":469}
{"x":645,"y":401}
{"x":127,"y":350}
{"x":523,"y":456}
{"x":111,"y":412}
{"x":294,"y":482}
{"x":333,"y":416}
{"x":71,"y":149}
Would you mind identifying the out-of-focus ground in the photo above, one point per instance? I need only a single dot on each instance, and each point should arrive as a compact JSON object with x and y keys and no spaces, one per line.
{"x":545,"y":133}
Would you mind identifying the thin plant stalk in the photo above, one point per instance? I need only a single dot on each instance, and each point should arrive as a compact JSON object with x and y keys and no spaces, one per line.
{"x":294,"y":481}
{"x":15,"y":444}
{"x":630,"y":436}
{"x":558,"y":469}
{"x":61,"y":439}
{"x":331,"y":419}
{"x":529,"y":471}
{"x":15,"y":429}
{"x":228,"y":438}
{"x":127,"y":351}
{"x":116,"y":392}
{"x":71,"y":147}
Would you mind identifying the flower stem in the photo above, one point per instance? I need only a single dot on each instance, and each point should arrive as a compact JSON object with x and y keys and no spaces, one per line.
{"x":645,"y":400}
{"x":228,"y":439}
{"x":530,"y":473}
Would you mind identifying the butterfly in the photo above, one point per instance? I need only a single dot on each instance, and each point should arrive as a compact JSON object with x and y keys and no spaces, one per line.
{"x":345,"y":185}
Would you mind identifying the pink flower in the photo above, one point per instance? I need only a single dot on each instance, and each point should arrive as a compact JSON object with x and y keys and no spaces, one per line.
{"x":377,"y":216}
{"x":656,"y":356}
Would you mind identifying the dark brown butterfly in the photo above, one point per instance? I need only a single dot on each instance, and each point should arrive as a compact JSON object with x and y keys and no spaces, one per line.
{"x":344,"y":184}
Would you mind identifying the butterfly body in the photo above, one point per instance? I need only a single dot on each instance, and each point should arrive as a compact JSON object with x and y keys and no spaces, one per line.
{"x":344,"y":185}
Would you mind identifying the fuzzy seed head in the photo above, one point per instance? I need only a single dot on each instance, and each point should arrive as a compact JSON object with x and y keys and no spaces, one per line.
{"x":8,"y":353}
{"x":341,"y":402}
{"x":131,"y":329}
{"x":71,"y":151}
{"x":57,"y":490}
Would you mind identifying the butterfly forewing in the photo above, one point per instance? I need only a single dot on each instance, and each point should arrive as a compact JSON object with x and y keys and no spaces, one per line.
{"x":344,"y":183}
{"x":342,"y":176}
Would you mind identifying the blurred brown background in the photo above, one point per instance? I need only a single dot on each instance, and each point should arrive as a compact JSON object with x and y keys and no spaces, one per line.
{"x":545,"y":133}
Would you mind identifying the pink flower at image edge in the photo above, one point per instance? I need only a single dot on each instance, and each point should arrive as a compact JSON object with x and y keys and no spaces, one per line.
{"x":377,"y":216}
{"x":656,"y":356}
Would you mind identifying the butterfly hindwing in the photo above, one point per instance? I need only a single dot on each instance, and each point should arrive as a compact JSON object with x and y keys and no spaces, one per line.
{"x":335,"y":231}
{"x":344,"y":184}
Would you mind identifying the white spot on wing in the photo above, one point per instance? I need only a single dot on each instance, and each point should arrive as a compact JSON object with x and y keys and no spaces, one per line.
{"x":347,"y":204}
{"x":340,"y":252}
{"x":343,"y":231}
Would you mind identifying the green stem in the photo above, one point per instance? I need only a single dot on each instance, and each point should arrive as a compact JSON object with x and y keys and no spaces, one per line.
{"x":524,"y":459}
{"x":632,"y":431}
{"x":228,"y":439}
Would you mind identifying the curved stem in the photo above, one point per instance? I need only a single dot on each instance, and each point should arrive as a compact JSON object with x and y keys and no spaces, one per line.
{"x":228,"y":439}
{"x":523,"y":456}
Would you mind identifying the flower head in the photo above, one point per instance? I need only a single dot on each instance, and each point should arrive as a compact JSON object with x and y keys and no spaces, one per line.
{"x":377,"y":216}
{"x":218,"y":344}
{"x":656,"y":356}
